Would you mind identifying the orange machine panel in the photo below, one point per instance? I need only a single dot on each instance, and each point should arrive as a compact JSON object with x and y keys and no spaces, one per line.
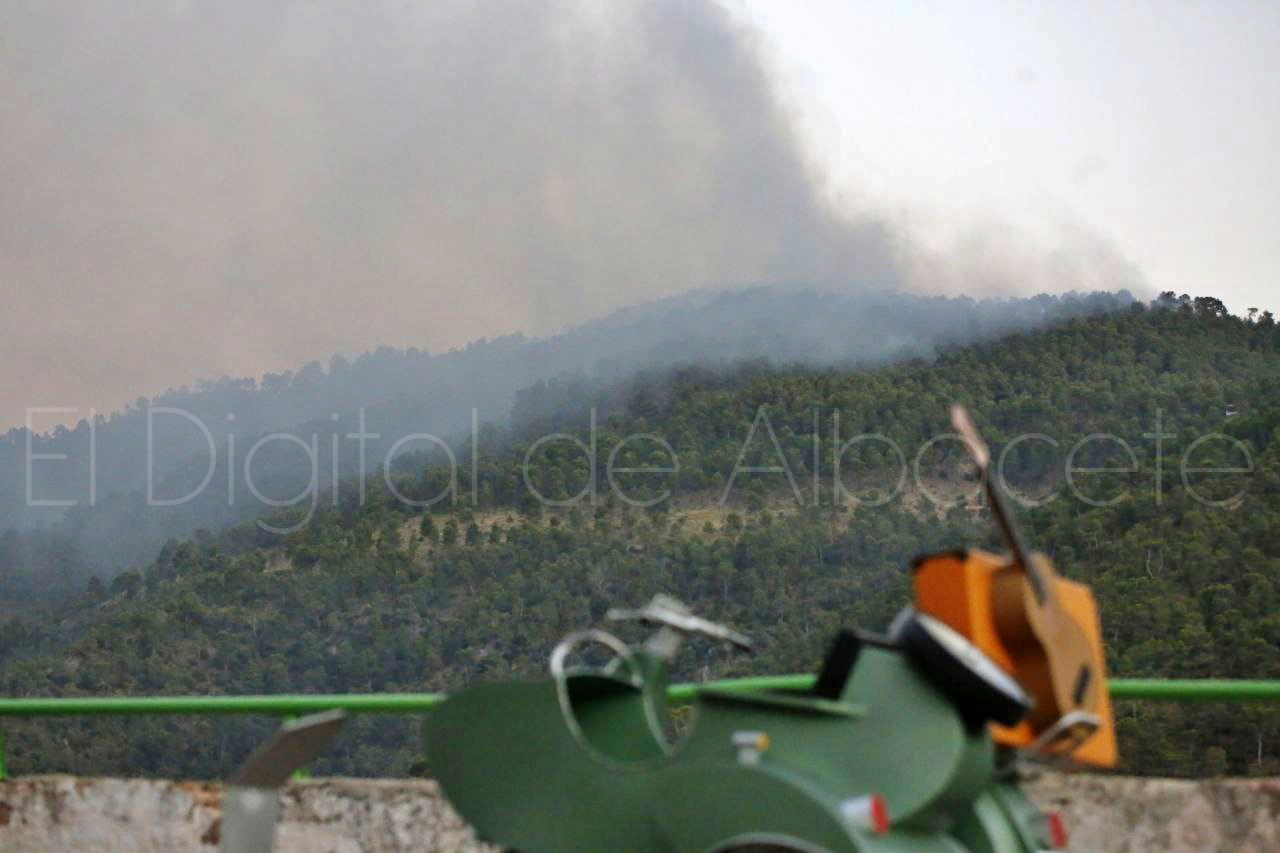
{"x":1100,"y":749}
{"x":956,"y":587}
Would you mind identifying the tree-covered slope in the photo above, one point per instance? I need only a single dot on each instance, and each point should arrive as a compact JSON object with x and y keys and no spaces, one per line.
{"x":382,"y":596}
{"x":184,"y":435}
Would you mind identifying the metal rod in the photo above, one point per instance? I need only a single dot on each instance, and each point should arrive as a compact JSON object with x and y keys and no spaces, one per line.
{"x":1195,"y":690}
{"x":301,"y":773}
{"x":1149,"y":689}
{"x":1174,"y":690}
{"x":277,"y":706}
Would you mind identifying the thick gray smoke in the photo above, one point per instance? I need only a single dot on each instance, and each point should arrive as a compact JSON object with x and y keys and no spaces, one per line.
{"x":192,"y":190}
{"x":203,"y":189}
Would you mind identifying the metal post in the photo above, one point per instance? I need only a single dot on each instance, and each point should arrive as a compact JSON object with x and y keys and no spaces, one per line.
{"x":251,"y":802}
{"x":301,"y":773}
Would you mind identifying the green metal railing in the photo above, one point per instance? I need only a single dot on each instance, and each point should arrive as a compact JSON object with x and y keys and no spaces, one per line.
{"x":286,"y":706}
{"x":281,"y":706}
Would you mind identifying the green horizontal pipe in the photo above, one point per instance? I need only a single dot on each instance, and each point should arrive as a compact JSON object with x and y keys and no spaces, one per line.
{"x":1176,"y":690}
{"x":282,"y":705}
{"x":1151,"y":689}
{"x":1195,"y":690}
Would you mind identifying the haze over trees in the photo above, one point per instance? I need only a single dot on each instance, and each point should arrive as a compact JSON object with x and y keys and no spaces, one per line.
{"x":381,"y":595}
{"x":403,"y":392}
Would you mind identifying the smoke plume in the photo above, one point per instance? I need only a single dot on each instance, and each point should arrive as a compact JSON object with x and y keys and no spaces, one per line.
{"x":192,"y":190}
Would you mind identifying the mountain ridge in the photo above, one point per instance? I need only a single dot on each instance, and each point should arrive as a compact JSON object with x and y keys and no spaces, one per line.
{"x":394,"y":393}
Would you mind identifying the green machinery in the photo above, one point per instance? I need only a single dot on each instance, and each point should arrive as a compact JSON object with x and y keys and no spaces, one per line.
{"x":889,"y":750}
{"x":892,"y":748}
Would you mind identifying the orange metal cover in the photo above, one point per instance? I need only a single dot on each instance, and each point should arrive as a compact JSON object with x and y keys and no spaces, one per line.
{"x":957,"y":589}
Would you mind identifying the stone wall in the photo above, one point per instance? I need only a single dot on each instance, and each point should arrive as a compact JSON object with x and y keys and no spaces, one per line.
{"x":59,"y":813}
{"x":1124,"y":813}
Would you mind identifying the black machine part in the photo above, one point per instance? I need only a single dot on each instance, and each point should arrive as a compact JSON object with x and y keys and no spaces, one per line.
{"x":980,"y":688}
{"x":837,"y":666}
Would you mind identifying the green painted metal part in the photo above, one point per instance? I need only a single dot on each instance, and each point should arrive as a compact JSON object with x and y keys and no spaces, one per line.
{"x":571,"y":763}
{"x":513,"y":768}
{"x":575,"y":765}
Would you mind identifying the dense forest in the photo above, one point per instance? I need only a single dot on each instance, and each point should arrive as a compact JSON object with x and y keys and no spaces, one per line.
{"x":182,"y":436}
{"x":376,"y":593}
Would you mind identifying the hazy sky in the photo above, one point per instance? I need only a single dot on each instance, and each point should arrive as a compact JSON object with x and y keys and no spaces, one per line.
{"x":1156,"y":125}
{"x":191,"y":190}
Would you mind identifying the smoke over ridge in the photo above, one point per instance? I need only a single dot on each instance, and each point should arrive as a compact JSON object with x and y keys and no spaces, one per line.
{"x":205,"y":189}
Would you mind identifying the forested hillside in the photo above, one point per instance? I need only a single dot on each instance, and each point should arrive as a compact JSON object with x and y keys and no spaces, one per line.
{"x":382,"y":595}
{"x":205,"y":433}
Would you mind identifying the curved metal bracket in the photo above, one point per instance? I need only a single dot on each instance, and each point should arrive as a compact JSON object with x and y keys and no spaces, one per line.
{"x":560,"y":674}
{"x":1070,"y":731}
